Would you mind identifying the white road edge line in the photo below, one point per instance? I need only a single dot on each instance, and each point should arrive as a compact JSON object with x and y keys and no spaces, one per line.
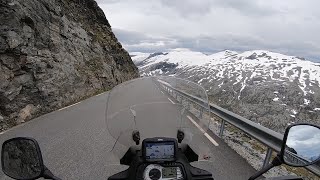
{"x":18,"y":126}
{"x":25,"y":123}
{"x":100,"y":94}
{"x":211,"y":139}
{"x":69,"y":106}
{"x":171,"y":101}
{"x":205,"y":134}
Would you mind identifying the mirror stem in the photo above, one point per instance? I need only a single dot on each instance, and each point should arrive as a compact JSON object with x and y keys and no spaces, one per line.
{"x":47,"y":174}
{"x":275,"y":162}
{"x":262,"y":171}
{"x":55,"y":178}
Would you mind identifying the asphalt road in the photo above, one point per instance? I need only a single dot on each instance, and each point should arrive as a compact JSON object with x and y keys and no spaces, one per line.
{"x":76,"y":144}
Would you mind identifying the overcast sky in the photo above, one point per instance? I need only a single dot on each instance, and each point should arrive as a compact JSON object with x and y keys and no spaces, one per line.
{"x":287,"y":26}
{"x":305,"y":140}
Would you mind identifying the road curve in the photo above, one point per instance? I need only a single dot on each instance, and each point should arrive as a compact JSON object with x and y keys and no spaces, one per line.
{"x":75,"y":142}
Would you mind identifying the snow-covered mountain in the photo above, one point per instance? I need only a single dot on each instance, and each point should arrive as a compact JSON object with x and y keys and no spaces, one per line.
{"x":269,"y":88}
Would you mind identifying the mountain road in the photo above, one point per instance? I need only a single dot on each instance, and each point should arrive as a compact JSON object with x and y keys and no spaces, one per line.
{"x":76,"y":144}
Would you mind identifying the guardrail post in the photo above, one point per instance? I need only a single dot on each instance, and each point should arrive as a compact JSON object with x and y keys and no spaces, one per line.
{"x":188,"y":105}
{"x":201,"y":112}
{"x":267,"y":158}
{"x":222,"y":128}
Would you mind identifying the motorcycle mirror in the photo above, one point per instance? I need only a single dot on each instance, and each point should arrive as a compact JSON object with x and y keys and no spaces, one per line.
{"x":21,"y":158}
{"x":301,"y":145}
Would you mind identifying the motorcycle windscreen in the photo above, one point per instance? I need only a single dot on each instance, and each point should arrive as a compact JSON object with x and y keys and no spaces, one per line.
{"x":148,"y":106}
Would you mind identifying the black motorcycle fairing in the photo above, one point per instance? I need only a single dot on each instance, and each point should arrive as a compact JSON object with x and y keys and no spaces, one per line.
{"x":189,"y":152}
{"x":136,"y":163}
{"x":129,"y":156}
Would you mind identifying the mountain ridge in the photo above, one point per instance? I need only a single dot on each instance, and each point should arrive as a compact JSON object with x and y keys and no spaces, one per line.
{"x":259,"y":84}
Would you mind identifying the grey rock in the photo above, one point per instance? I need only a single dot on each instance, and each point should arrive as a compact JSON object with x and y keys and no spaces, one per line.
{"x":53,"y":53}
{"x":252,"y":56}
{"x":13,"y":39}
{"x":13,"y":91}
{"x":3,"y":45}
{"x":26,"y":113}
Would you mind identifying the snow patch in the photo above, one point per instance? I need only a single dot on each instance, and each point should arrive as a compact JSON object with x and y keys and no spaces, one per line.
{"x":275,"y":99}
{"x":294,"y":111}
{"x":290,"y":123}
{"x":220,"y":84}
{"x":200,"y":80}
{"x":243,"y":86}
{"x":306,"y":101}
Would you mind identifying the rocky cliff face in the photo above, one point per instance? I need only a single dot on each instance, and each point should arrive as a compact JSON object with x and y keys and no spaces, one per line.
{"x":53,"y":53}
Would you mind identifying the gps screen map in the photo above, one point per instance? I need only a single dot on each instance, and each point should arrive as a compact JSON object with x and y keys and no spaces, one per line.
{"x":163,"y":150}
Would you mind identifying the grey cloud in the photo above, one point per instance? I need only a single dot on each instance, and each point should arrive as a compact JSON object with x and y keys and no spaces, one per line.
{"x":245,"y":7}
{"x":305,"y":140}
{"x":288,"y":26}
{"x":134,"y":41}
{"x":106,"y":1}
{"x":130,"y":37}
{"x":187,"y":7}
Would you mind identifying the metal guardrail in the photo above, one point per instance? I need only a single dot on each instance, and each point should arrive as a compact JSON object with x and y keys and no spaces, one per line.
{"x":295,"y":158}
{"x":268,"y":137}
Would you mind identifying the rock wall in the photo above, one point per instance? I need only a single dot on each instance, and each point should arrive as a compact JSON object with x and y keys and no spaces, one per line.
{"x":54,"y":53}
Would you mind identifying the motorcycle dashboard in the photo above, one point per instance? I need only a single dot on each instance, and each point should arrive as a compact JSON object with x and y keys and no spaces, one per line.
{"x":159,"y":149}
